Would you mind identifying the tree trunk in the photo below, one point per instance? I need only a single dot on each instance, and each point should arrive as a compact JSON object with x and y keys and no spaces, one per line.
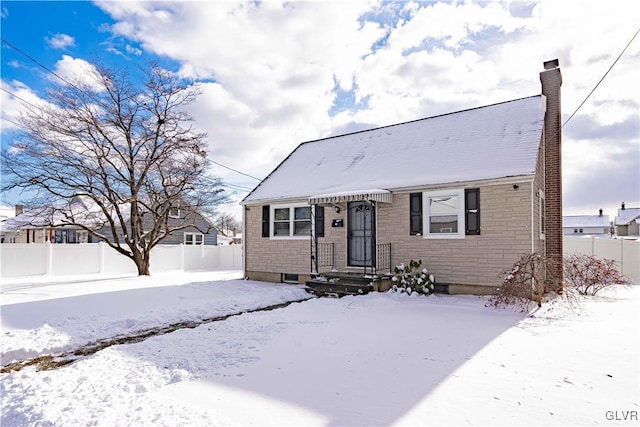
{"x":142,"y":264}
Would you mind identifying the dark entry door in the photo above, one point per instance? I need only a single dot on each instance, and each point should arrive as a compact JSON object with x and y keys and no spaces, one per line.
{"x":361,"y":234}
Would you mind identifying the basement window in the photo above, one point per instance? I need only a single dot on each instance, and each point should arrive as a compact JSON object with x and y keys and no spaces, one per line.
{"x":290,"y":278}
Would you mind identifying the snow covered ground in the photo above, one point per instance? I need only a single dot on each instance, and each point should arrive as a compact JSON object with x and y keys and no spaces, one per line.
{"x":379,"y":359}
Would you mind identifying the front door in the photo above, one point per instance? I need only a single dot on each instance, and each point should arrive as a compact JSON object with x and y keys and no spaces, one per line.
{"x":361,"y":234}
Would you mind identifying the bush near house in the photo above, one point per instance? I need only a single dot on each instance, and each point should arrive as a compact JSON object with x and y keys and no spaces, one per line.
{"x":522,"y":285}
{"x":412,"y":279}
{"x":583,"y":275}
{"x":588,"y":274}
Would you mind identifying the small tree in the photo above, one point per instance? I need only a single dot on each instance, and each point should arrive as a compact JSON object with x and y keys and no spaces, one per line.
{"x":413,"y":278}
{"x":588,"y":274}
{"x":523,"y":284}
{"x":126,"y":148}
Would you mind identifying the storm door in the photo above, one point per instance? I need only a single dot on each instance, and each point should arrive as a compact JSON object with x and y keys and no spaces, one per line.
{"x":361,"y":239}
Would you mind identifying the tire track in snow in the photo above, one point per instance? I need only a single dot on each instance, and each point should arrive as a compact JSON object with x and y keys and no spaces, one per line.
{"x":53,"y":361}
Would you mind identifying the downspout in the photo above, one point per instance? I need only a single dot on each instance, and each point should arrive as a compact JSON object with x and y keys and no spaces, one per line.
{"x":533,"y":248}
{"x":314,"y":241}
{"x":244,"y":242}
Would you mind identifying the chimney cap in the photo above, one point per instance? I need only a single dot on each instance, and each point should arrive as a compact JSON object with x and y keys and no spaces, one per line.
{"x":550,"y":65}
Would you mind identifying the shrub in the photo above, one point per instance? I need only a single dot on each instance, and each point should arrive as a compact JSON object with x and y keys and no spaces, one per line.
{"x":522,"y":285}
{"x":412,"y":278}
{"x":588,"y":274}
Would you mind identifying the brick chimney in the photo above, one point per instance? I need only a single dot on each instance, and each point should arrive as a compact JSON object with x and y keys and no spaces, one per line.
{"x":19,"y":209}
{"x":551,"y":80}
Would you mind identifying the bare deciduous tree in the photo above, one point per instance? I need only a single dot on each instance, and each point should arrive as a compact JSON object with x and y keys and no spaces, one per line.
{"x":128,"y":149}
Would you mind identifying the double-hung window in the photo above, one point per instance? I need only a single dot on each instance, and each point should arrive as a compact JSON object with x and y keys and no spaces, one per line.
{"x":175,"y":211}
{"x":291,"y":221}
{"x":82,"y":236}
{"x":193,"y":238}
{"x":445,"y":214}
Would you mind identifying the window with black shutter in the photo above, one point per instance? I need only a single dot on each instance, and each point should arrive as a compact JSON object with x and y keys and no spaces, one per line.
{"x":265,"y":220}
{"x":415,"y":214}
{"x":472,"y":210}
{"x":319,"y":221}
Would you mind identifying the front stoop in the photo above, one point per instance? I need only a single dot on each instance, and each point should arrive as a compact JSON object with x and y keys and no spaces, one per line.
{"x":340,"y":284}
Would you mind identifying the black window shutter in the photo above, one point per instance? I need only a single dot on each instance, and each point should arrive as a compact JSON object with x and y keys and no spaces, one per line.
{"x":415,"y":213}
{"x":472,"y":210}
{"x":319,"y":221}
{"x":265,"y":220}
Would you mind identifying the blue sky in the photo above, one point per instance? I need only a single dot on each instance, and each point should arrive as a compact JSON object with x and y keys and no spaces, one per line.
{"x":279,"y":73}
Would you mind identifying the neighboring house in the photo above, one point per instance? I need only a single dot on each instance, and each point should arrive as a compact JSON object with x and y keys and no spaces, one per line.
{"x":628,"y":221}
{"x":6,"y":212}
{"x":464,"y":192}
{"x":596,"y":225}
{"x":43,"y":225}
{"x":49,"y":225}
{"x":236,"y":239}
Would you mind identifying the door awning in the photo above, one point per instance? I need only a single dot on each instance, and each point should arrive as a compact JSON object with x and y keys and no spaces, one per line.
{"x":382,"y":196}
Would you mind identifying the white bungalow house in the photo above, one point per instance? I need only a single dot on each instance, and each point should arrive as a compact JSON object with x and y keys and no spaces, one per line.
{"x":595,"y":225}
{"x":467,"y":193}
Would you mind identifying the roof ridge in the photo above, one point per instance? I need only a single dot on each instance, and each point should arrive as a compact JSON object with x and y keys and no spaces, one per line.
{"x":417,"y":120}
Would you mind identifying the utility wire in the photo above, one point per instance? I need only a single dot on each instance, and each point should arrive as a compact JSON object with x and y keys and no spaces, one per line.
{"x":235,"y":170}
{"x":11,"y":121}
{"x":12,"y":46}
{"x":40,"y":64}
{"x":603,"y":77}
{"x":21,"y":99}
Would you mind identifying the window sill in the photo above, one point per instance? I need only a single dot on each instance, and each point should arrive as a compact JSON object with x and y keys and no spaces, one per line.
{"x":444,"y":236}
{"x":290,"y":237}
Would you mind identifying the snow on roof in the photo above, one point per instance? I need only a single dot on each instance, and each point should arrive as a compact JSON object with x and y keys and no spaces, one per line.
{"x":495,"y":141}
{"x":625,"y":216}
{"x":80,"y":208}
{"x":585,"y":221}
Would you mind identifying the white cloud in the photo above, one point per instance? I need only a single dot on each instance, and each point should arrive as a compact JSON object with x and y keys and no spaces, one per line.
{"x":133,"y":50}
{"x":70,"y":69}
{"x":276,"y":67}
{"x":60,"y":41}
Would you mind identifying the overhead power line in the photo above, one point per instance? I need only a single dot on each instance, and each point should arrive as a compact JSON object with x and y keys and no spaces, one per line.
{"x":47,"y":69}
{"x":603,"y":77}
{"x":35,"y":61}
{"x":17,"y":97}
{"x":235,"y":170}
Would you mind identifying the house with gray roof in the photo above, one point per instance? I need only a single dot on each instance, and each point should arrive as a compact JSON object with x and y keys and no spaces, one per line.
{"x":467,"y":193}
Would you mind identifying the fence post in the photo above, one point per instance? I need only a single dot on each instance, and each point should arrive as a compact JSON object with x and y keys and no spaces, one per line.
{"x":622,"y":256}
{"x":49,"y":260}
{"x":101,"y":254}
{"x":182,"y":256}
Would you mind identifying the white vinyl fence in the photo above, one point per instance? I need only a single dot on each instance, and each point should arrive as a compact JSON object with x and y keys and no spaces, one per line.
{"x":20,"y":260}
{"x":625,"y":252}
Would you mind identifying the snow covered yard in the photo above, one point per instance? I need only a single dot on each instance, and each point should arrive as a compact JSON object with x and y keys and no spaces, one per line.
{"x":379,"y":359}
